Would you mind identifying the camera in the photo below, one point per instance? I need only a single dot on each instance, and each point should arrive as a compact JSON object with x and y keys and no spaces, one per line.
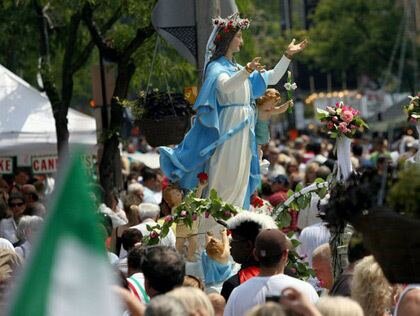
{"x":273,"y":298}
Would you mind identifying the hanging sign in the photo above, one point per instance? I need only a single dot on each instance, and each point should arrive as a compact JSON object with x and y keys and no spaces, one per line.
{"x":44,"y":164}
{"x":6,"y":165}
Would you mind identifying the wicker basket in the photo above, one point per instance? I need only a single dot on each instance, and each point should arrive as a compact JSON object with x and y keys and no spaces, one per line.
{"x":164,"y":131}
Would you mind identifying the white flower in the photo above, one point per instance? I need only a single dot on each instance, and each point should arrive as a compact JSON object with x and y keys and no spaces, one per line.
{"x":290,"y":86}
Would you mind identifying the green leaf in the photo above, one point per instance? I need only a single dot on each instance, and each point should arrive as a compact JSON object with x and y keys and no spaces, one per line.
{"x":319,"y":180}
{"x":295,"y":242}
{"x":164,"y":231}
{"x":283,"y":219}
{"x":299,"y":187}
{"x":290,"y":193}
{"x":149,"y":228}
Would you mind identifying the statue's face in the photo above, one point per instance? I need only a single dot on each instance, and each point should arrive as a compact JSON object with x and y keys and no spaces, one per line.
{"x":236,"y":43}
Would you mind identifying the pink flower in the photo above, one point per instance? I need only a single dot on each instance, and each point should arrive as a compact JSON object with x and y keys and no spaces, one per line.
{"x":354,"y":111}
{"x":206,"y":214}
{"x":183,"y":213}
{"x":343,"y":127}
{"x":154,"y":235}
{"x":335,"y":119}
{"x":330,"y":125}
{"x":168,"y":219}
{"x":346,"y":116}
{"x":227,"y":213}
{"x":337,"y":105}
{"x":194,"y":217}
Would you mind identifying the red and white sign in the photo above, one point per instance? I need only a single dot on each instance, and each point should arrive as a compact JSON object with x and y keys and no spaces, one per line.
{"x":6,"y":165}
{"x":44,"y":164}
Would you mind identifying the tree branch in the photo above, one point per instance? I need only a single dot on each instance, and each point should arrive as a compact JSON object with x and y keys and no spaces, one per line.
{"x":79,"y":62}
{"x":69,"y":50}
{"x":137,"y":41}
{"x":106,"y":50}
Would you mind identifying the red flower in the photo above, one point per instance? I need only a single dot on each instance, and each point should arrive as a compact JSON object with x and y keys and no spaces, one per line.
{"x":257,"y":201}
{"x":202,"y":176}
{"x":194,"y":217}
{"x":218,"y":37}
{"x":206,"y":214}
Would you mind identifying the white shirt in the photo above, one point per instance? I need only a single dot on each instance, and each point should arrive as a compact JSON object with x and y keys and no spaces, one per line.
{"x":168,"y":240}
{"x":254,"y":291}
{"x":150,"y":196}
{"x":310,"y":238}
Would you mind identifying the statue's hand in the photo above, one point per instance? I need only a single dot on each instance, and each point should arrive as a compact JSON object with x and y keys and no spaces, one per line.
{"x":295,"y":48}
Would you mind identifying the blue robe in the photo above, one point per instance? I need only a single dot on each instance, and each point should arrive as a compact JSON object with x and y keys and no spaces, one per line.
{"x":186,"y":160}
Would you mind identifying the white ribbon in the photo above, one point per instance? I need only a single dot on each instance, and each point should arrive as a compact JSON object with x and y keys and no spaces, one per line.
{"x":210,"y":47}
{"x":344,"y":167}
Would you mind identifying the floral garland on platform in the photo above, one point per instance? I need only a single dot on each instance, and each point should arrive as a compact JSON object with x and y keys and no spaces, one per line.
{"x":188,"y":211}
{"x":297,"y":200}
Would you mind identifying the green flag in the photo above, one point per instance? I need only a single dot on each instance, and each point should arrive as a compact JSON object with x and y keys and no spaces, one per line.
{"x":69,"y":273}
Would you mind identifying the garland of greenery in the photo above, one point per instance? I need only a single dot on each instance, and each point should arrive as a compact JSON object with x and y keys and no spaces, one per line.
{"x":297,"y":200}
{"x":192,"y":207}
{"x":188,"y":211}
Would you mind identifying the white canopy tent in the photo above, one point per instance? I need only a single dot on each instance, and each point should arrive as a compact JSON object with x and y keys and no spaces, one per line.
{"x":27,"y":125}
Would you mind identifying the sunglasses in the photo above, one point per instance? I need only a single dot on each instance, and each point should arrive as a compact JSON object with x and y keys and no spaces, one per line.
{"x":16,"y":204}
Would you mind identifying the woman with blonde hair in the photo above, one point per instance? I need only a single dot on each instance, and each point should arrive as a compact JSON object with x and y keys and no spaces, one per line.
{"x":338,"y":306}
{"x":194,"y":300}
{"x":370,"y":288}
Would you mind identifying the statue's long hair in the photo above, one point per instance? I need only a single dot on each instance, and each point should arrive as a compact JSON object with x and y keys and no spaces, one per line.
{"x":222,"y":41}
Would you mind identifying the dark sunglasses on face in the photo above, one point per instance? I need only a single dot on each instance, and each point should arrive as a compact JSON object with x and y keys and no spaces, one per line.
{"x":16,"y":204}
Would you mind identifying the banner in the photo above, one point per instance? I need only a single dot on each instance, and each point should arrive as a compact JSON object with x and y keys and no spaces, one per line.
{"x":6,"y":165}
{"x":44,"y":164}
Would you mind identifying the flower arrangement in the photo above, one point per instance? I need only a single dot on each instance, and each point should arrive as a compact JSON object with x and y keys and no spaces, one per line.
{"x":341,"y":120}
{"x":290,"y":86}
{"x":413,"y":108}
{"x":189,"y":210}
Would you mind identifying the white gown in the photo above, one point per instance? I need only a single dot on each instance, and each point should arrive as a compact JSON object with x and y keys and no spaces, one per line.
{"x":229,"y":166}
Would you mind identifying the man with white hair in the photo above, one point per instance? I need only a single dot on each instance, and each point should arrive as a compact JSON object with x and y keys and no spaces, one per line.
{"x":149,"y":214}
{"x":136,"y":189}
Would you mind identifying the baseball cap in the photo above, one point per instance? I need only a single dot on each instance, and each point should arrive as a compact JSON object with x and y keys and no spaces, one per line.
{"x":280,"y":179}
{"x":271,"y":242}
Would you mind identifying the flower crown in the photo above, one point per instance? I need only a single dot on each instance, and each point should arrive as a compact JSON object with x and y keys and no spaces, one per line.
{"x":231,"y":22}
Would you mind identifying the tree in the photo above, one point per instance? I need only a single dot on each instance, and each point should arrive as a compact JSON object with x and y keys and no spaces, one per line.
{"x":353,"y":36}
{"x":119,"y":46}
{"x":63,"y":48}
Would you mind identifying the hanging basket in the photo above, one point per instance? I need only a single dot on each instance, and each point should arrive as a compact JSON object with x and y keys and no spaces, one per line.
{"x":166,"y":118}
{"x":164,"y":131}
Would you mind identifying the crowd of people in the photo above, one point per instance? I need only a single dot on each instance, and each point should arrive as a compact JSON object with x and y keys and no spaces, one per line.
{"x":159,"y":280}
{"x":238,"y":266}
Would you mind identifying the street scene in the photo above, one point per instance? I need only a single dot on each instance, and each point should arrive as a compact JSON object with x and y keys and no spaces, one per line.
{"x":210,"y":157}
